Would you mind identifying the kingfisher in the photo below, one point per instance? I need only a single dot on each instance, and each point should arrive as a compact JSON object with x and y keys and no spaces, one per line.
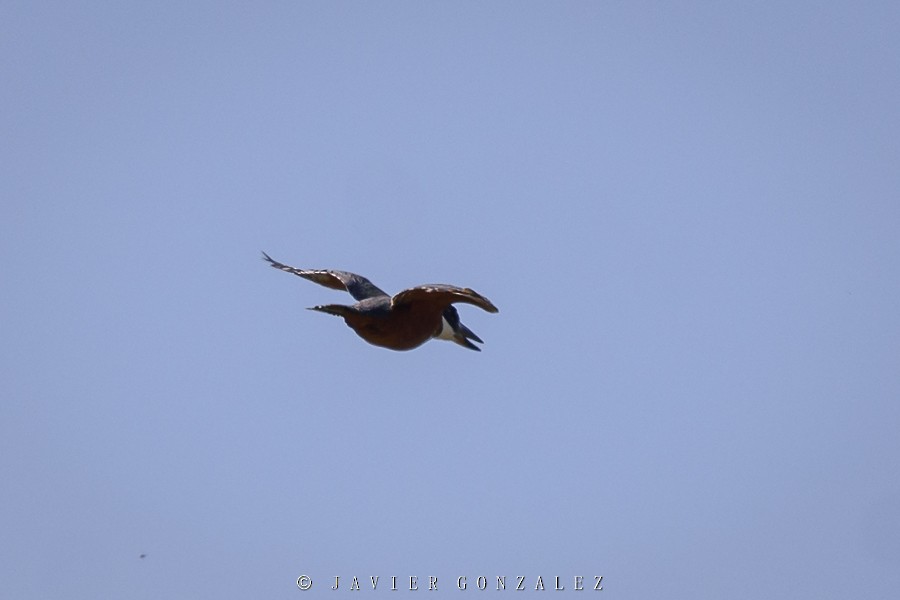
{"x":402,"y":322}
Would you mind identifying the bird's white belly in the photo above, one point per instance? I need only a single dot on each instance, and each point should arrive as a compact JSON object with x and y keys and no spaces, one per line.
{"x":446,"y":331}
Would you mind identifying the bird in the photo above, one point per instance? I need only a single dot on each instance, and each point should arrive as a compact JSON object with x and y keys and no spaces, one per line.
{"x":402,"y":322}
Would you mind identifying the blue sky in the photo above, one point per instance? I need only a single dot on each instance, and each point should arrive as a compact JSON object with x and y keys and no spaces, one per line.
{"x":687,"y":213}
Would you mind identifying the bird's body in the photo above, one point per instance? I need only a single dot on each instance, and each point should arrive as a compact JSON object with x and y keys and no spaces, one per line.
{"x":402,"y":322}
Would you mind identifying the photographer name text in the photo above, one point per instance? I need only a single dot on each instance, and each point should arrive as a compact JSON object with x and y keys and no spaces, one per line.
{"x":414,"y":583}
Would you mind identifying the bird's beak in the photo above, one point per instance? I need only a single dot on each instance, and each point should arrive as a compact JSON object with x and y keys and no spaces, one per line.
{"x":333,"y":309}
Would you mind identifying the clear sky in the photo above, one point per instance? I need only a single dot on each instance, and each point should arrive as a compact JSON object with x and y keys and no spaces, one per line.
{"x":687,"y":213}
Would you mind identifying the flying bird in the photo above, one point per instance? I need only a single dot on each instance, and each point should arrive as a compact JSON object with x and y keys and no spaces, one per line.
{"x":402,"y":322}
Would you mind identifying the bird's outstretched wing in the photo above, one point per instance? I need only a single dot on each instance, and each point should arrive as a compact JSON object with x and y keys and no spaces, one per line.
{"x":358,"y":286}
{"x":441,"y":296}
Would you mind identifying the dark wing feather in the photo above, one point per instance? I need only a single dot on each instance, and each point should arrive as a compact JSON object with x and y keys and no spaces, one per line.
{"x":358,"y":286}
{"x":442,"y":296}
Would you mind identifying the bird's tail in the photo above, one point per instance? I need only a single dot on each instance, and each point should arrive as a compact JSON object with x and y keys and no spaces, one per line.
{"x":463,"y":334}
